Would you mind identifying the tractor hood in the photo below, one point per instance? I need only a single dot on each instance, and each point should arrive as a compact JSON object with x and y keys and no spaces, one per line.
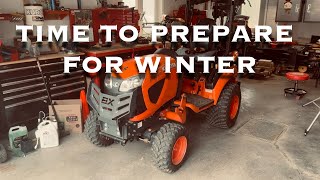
{"x":130,"y":78}
{"x":127,"y":81}
{"x":128,"y":68}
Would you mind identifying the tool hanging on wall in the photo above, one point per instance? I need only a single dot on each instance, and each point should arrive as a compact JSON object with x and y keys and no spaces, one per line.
{"x":79,"y":4}
{"x":53,"y":5}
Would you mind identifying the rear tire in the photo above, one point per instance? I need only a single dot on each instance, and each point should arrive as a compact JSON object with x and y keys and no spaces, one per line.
{"x":225,"y":113}
{"x":3,"y":154}
{"x":170,"y":147}
{"x":92,"y":131}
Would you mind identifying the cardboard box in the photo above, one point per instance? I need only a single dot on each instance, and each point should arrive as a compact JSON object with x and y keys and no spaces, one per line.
{"x":69,"y":112}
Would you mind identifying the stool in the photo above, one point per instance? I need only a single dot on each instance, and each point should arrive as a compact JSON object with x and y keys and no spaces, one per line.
{"x":296,"y":76}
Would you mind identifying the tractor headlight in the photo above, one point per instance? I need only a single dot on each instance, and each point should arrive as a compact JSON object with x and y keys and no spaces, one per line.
{"x":130,"y":84}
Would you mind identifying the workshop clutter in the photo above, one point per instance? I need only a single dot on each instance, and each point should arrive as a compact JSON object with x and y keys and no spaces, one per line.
{"x":104,"y":16}
{"x":34,"y":14}
{"x":49,"y":130}
{"x":3,"y":154}
{"x":45,"y":4}
{"x":18,"y":135}
{"x":47,"y":134}
{"x":263,"y":68}
{"x":69,"y":114}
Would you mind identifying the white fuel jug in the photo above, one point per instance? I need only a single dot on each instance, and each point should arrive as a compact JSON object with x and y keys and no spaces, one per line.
{"x":47,"y":134}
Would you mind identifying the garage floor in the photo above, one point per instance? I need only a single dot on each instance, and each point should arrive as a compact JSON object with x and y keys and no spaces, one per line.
{"x":266,"y":143}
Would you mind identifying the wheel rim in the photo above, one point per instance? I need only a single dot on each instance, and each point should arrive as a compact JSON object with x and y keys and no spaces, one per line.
{"x":234,"y":106}
{"x":179,"y":150}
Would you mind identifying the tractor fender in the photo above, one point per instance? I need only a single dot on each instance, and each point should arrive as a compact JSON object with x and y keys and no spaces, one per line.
{"x":85,"y":106}
{"x":89,"y":98}
{"x":221,"y":83}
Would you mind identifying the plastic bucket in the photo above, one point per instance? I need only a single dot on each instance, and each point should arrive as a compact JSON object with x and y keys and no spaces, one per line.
{"x":34,"y":15}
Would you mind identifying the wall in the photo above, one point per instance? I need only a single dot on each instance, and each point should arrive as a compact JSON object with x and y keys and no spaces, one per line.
{"x":170,"y":5}
{"x":302,"y":32}
{"x":130,"y":3}
{"x":7,"y":29}
{"x":154,"y":9}
{"x":253,"y":12}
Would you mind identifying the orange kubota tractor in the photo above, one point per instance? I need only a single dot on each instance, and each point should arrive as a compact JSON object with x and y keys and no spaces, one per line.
{"x":153,"y":107}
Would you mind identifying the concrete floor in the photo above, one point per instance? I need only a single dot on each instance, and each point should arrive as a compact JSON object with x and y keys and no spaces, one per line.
{"x":266,"y":143}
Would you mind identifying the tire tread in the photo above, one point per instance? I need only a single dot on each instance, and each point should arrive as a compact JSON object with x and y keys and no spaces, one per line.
{"x":163,"y":143}
{"x":92,"y":131}
{"x":218,"y":116}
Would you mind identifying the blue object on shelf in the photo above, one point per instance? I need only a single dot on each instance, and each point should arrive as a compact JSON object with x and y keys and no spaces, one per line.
{"x":53,"y":5}
{"x":49,"y":4}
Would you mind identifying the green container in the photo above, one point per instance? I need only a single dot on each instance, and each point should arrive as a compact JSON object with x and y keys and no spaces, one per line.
{"x":16,"y":135}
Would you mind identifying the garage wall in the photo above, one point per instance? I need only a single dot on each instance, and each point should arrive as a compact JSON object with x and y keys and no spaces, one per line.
{"x":7,"y":29}
{"x":170,"y":5}
{"x":253,"y":11}
{"x":302,"y":32}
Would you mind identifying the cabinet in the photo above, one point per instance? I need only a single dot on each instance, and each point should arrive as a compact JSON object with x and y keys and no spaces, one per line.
{"x":289,"y":11}
{"x":22,"y":91}
{"x":312,"y":11}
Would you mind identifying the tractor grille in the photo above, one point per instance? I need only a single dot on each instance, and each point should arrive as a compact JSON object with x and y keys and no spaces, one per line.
{"x":112,"y":107}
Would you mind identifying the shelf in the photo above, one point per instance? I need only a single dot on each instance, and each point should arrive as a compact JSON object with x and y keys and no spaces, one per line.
{"x":11,"y":17}
{"x":55,"y":14}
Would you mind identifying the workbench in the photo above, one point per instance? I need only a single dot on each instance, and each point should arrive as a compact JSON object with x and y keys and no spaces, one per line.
{"x":286,"y":54}
{"x":22,"y":91}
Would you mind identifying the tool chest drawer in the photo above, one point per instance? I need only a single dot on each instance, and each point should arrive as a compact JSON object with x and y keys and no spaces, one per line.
{"x":23,"y":94}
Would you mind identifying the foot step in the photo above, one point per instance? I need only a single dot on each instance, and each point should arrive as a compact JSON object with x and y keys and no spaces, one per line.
{"x":199,"y":101}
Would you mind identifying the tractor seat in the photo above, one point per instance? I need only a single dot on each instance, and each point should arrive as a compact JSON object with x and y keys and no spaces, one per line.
{"x":296,"y":76}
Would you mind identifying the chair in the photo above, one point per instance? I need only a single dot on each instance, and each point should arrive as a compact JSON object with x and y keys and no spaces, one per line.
{"x":296,"y":76}
{"x":315,"y":119}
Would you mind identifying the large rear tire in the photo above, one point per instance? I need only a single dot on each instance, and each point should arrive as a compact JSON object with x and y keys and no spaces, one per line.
{"x":170,"y":146}
{"x":3,"y":154}
{"x":92,"y":131}
{"x":225,"y":113}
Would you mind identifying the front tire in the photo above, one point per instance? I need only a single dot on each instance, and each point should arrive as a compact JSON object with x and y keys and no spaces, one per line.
{"x":92,"y":131}
{"x":225,"y":113}
{"x":3,"y":154}
{"x":170,"y":146}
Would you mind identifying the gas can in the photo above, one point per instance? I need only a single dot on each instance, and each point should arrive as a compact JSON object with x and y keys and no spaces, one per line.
{"x":16,"y":135}
{"x":47,"y":134}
